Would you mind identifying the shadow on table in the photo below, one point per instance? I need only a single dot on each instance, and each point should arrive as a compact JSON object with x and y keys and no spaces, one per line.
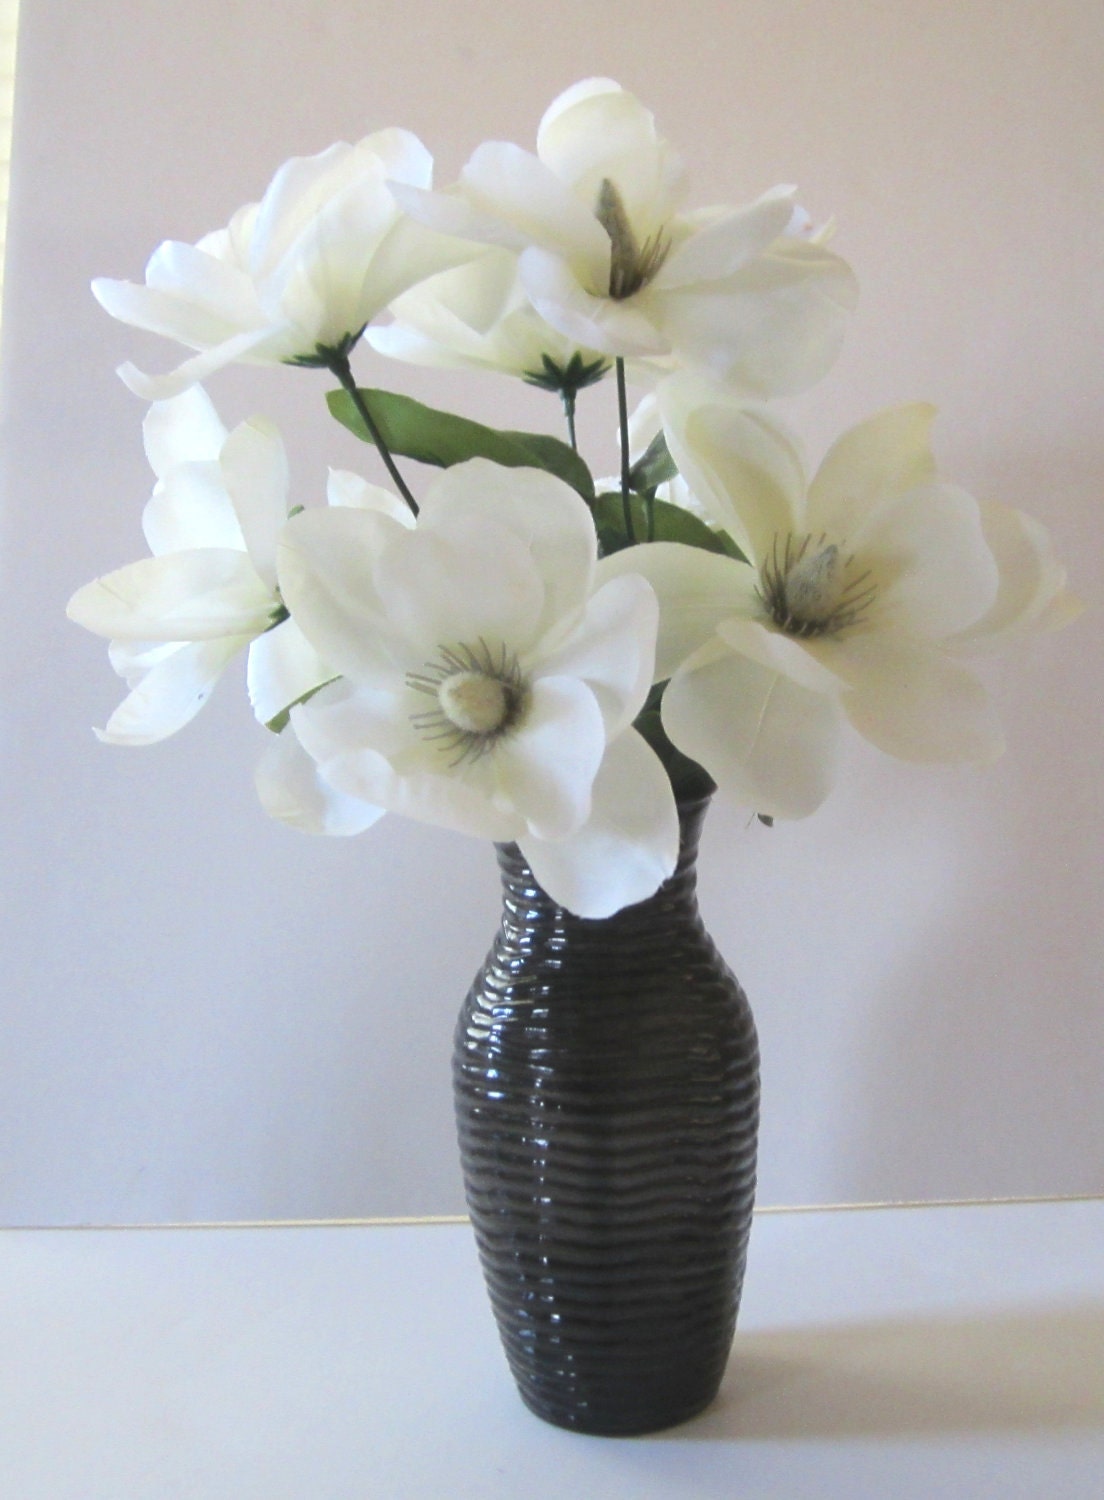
{"x":1020,"y":1371}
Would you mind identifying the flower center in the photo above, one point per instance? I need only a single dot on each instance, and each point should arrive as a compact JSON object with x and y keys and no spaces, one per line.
{"x":631,"y":265}
{"x":475,"y":703}
{"x":478,"y":695}
{"x":810,"y":587}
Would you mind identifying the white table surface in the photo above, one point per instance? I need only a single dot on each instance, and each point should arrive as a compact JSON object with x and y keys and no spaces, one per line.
{"x":937,"y":1353}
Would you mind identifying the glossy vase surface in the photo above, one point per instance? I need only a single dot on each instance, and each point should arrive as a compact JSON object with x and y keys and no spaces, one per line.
{"x":607,"y":1088}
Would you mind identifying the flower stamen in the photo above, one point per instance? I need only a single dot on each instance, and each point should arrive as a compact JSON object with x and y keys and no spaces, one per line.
{"x":807,"y":590}
{"x":632,"y":265}
{"x":479,"y":696}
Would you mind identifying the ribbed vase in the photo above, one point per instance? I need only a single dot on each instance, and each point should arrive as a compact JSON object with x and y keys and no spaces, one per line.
{"x":607,"y":1089}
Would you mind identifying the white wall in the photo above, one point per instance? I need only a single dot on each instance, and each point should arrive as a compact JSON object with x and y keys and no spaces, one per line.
{"x":207,"y":1016}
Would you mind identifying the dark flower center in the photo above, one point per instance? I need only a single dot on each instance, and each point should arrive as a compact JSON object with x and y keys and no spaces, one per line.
{"x":632,"y":265}
{"x":811,"y":588}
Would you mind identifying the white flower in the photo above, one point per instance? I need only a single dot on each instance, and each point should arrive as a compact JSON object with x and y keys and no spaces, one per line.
{"x":477,"y":316}
{"x":323,"y":252}
{"x":176,"y":619}
{"x":490,"y":677}
{"x":611,"y":260}
{"x":861,"y":591}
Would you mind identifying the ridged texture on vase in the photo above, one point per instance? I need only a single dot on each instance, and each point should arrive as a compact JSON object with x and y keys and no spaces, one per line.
{"x":607,"y":1090}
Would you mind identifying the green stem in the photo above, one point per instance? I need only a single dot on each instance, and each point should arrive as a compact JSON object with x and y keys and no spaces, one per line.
{"x":338,"y":365}
{"x":623,"y":420}
{"x":567,"y":396}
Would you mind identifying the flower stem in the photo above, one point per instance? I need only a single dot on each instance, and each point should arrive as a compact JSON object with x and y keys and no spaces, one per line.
{"x":567,"y":396}
{"x":623,"y":419}
{"x":338,"y":365}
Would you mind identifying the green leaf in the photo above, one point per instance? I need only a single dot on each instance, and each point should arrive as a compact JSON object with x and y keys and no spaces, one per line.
{"x":281,"y":720}
{"x":549,"y":453}
{"x":654,"y":466}
{"x":436,"y":437}
{"x":672,"y":524}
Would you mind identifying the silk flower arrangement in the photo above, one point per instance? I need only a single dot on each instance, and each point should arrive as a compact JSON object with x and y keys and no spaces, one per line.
{"x":560,"y":664}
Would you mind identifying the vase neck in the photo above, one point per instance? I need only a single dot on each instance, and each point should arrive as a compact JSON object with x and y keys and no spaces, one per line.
{"x":526,"y":900}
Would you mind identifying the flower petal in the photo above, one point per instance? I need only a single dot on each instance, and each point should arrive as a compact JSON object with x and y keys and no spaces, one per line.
{"x":723,"y":247}
{"x":593,"y":321}
{"x":305,"y":190}
{"x":133,"y":659}
{"x":474,"y":297}
{"x":545,"y":770}
{"x":766,"y":740}
{"x":442,"y":801}
{"x":255,"y":471}
{"x":365,"y":746}
{"x":741,"y":465}
{"x":613,"y":651}
{"x":292,"y":789}
{"x":183,"y":596}
{"x":451,"y":212}
{"x":931,"y":564}
{"x":912,"y":702}
{"x":403,"y":156}
{"x":191,"y":297}
{"x":1032,"y":591}
{"x":514,"y":186}
{"x":696,"y":590}
{"x":601,"y":132}
{"x":190,"y":508}
{"x":170,"y":693}
{"x":475,"y":316}
{"x":472,"y":584}
{"x":407,"y":255}
{"x":346,"y":488}
{"x":185,"y":430}
{"x":265,"y":345}
{"x":212,"y":287}
{"x":626,"y":848}
{"x":344,"y":717}
{"x":283,"y":667}
{"x":772,"y":328}
{"x":324,"y":285}
{"x":575,"y":93}
{"x":880,"y":459}
{"x":552,"y":524}
{"x":778,"y":652}
{"x":327,"y":561}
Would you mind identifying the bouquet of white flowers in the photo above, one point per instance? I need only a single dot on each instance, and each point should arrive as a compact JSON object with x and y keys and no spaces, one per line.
{"x":520,"y":652}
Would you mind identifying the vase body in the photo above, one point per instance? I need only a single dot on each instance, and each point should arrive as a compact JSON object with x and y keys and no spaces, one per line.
{"x":607,"y":1088}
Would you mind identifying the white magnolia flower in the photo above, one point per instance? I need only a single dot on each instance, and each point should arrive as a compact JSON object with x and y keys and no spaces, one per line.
{"x":862,"y":590}
{"x":177,"y":618}
{"x":609,"y":257}
{"x":478,"y":317}
{"x":490,"y":677}
{"x":325,"y":250}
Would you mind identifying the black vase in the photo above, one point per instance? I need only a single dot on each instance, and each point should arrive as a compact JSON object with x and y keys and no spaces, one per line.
{"x":607,"y":1089}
